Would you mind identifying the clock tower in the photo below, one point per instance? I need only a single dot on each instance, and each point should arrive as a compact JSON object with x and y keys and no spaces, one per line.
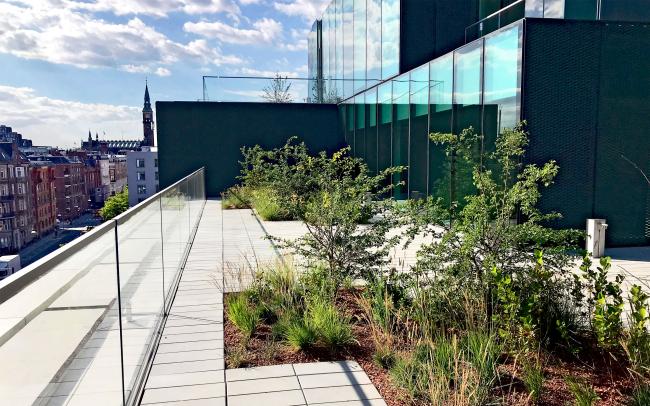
{"x":147,"y":119}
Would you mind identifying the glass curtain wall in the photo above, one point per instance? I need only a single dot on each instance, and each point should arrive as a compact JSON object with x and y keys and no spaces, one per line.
{"x":441,"y":90}
{"x":390,"y":38}
{"x":400,"y":134}
{"x":418,"y":131}
{"x":360,"y":126}
{"x":360,"y":46}
{"x":478,"y":86}
{"x":373,"y":42}
{"x":384,"y":125}
{"x":371,"y":129}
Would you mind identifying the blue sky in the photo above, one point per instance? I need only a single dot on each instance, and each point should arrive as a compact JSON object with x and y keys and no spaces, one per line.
{"x":67,"y":66}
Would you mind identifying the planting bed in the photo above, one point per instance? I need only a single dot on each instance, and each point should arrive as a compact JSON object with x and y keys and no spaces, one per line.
{"x":609,"y":378}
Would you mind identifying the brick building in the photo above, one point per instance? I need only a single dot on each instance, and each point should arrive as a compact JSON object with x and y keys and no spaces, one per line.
{"x":69,"y":183}
{"x":16,"y":211}
{"x":43,"y":197}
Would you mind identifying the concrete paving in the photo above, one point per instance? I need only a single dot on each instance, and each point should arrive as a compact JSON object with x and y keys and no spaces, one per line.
{"x":229,"y":247}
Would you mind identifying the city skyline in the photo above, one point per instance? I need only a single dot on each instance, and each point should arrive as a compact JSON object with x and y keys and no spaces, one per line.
{"x":62,"y":59}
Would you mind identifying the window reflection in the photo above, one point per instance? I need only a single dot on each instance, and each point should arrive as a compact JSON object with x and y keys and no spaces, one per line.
{"x":419,"y":131}
{"x":441,"y":79}
{"x":390,"y":38}
{"x":385,"y":120}
{"x":400,"y":133}
{"x":502,"y":78}
{"x":359,"y":45}
{"x":373,"y":48}
{"x":371,"y":129}
{"x":348,"y":49}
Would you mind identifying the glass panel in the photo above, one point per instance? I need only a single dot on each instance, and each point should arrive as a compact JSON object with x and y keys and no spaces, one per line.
{"x":349,"y":128}
{"x":487,"y":7}
{"x":374,"y":42}
{"x":348,"y":48}
{"x":467,"y":111}
{"x":384,"y":131}
{"x":419,"y":131}
{"x":325,"y":53}
{"x":359,"y":45}
{"x":580,"y":9}
{"x":625,"y":10}
{"x":339,"y":49}
{"x":360,"y":126}
{"x":553,"y":8}
{"x":371,"y":129}
{"x":142,"y":287}
{"x":502,"y":80}
{"x":535,"y":8}
{"x":312,"y":62}
{"x":332,"y":50}
{"x":65,"y":347}
{"x":400,"y":133}
{"x":441,"y":77}
{"x":390,"y":17}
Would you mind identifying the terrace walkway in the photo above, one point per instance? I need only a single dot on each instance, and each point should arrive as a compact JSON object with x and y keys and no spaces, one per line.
{"x":189,"y":364}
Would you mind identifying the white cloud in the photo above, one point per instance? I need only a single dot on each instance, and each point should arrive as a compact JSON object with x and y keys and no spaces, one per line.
{"x":308,"y":9}
{"x":263,"y":31}
{"x":157,"y":8}
{"x":49,"y":121}
{"x":163,"y":72}
{"x":249,"y":2}
{"x":62,"y":36}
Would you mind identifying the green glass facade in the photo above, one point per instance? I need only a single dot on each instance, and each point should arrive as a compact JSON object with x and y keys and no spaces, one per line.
{"x":392,"y":101}
{"x":360,"y":46}
{"x":478,"y":85}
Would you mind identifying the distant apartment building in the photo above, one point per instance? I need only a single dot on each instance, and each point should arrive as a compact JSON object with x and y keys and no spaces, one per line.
{"x":92,"y":175}
{"x":7,"y":134}
{"x":69,"y":183}
{"x":43,"y":189}
{"x":142,"y":174}
{"x":16,"y":219}
{"x":113,"y":172}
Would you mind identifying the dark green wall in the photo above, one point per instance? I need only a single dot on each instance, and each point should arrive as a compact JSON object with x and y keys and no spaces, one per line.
{"x":432,"y":28}
{"x":211,"y":134}
{"x":585,"y":97}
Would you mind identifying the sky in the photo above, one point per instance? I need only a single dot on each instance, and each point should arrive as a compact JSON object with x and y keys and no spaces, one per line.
{"x":70,"y":66}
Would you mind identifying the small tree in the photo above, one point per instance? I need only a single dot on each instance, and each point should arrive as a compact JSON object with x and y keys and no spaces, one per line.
{"x":278,"y":90}
{"x":333,"y":195}
{"x":115,"y":205}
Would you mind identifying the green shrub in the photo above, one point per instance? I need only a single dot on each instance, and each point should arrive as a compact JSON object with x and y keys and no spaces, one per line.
{"x":332,"y":329}
{"x":605,"y":302}
{"x":583,"y":393}
{"x":384,"y":356}
{"x":268,"y":205}
{"x":641,"y":395}
{"x":300,"y":335}
{"x":236,"y":197}
{"x":242,"y":314}
{"x":533,"y":377}
{"x":638,"y":340}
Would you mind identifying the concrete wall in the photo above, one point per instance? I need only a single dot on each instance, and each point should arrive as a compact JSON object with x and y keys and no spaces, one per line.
{"x":211,"y":134}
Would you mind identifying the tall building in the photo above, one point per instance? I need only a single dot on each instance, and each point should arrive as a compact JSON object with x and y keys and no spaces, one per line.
{"x":16,"y":211}
{"x":43,"y":197}
{"x":69,"y":183}
{"x":143,"y":174}
{"x":147,"y":119}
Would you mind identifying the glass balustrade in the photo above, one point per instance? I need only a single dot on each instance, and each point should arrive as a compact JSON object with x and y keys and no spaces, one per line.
{"x":80,"y":325}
